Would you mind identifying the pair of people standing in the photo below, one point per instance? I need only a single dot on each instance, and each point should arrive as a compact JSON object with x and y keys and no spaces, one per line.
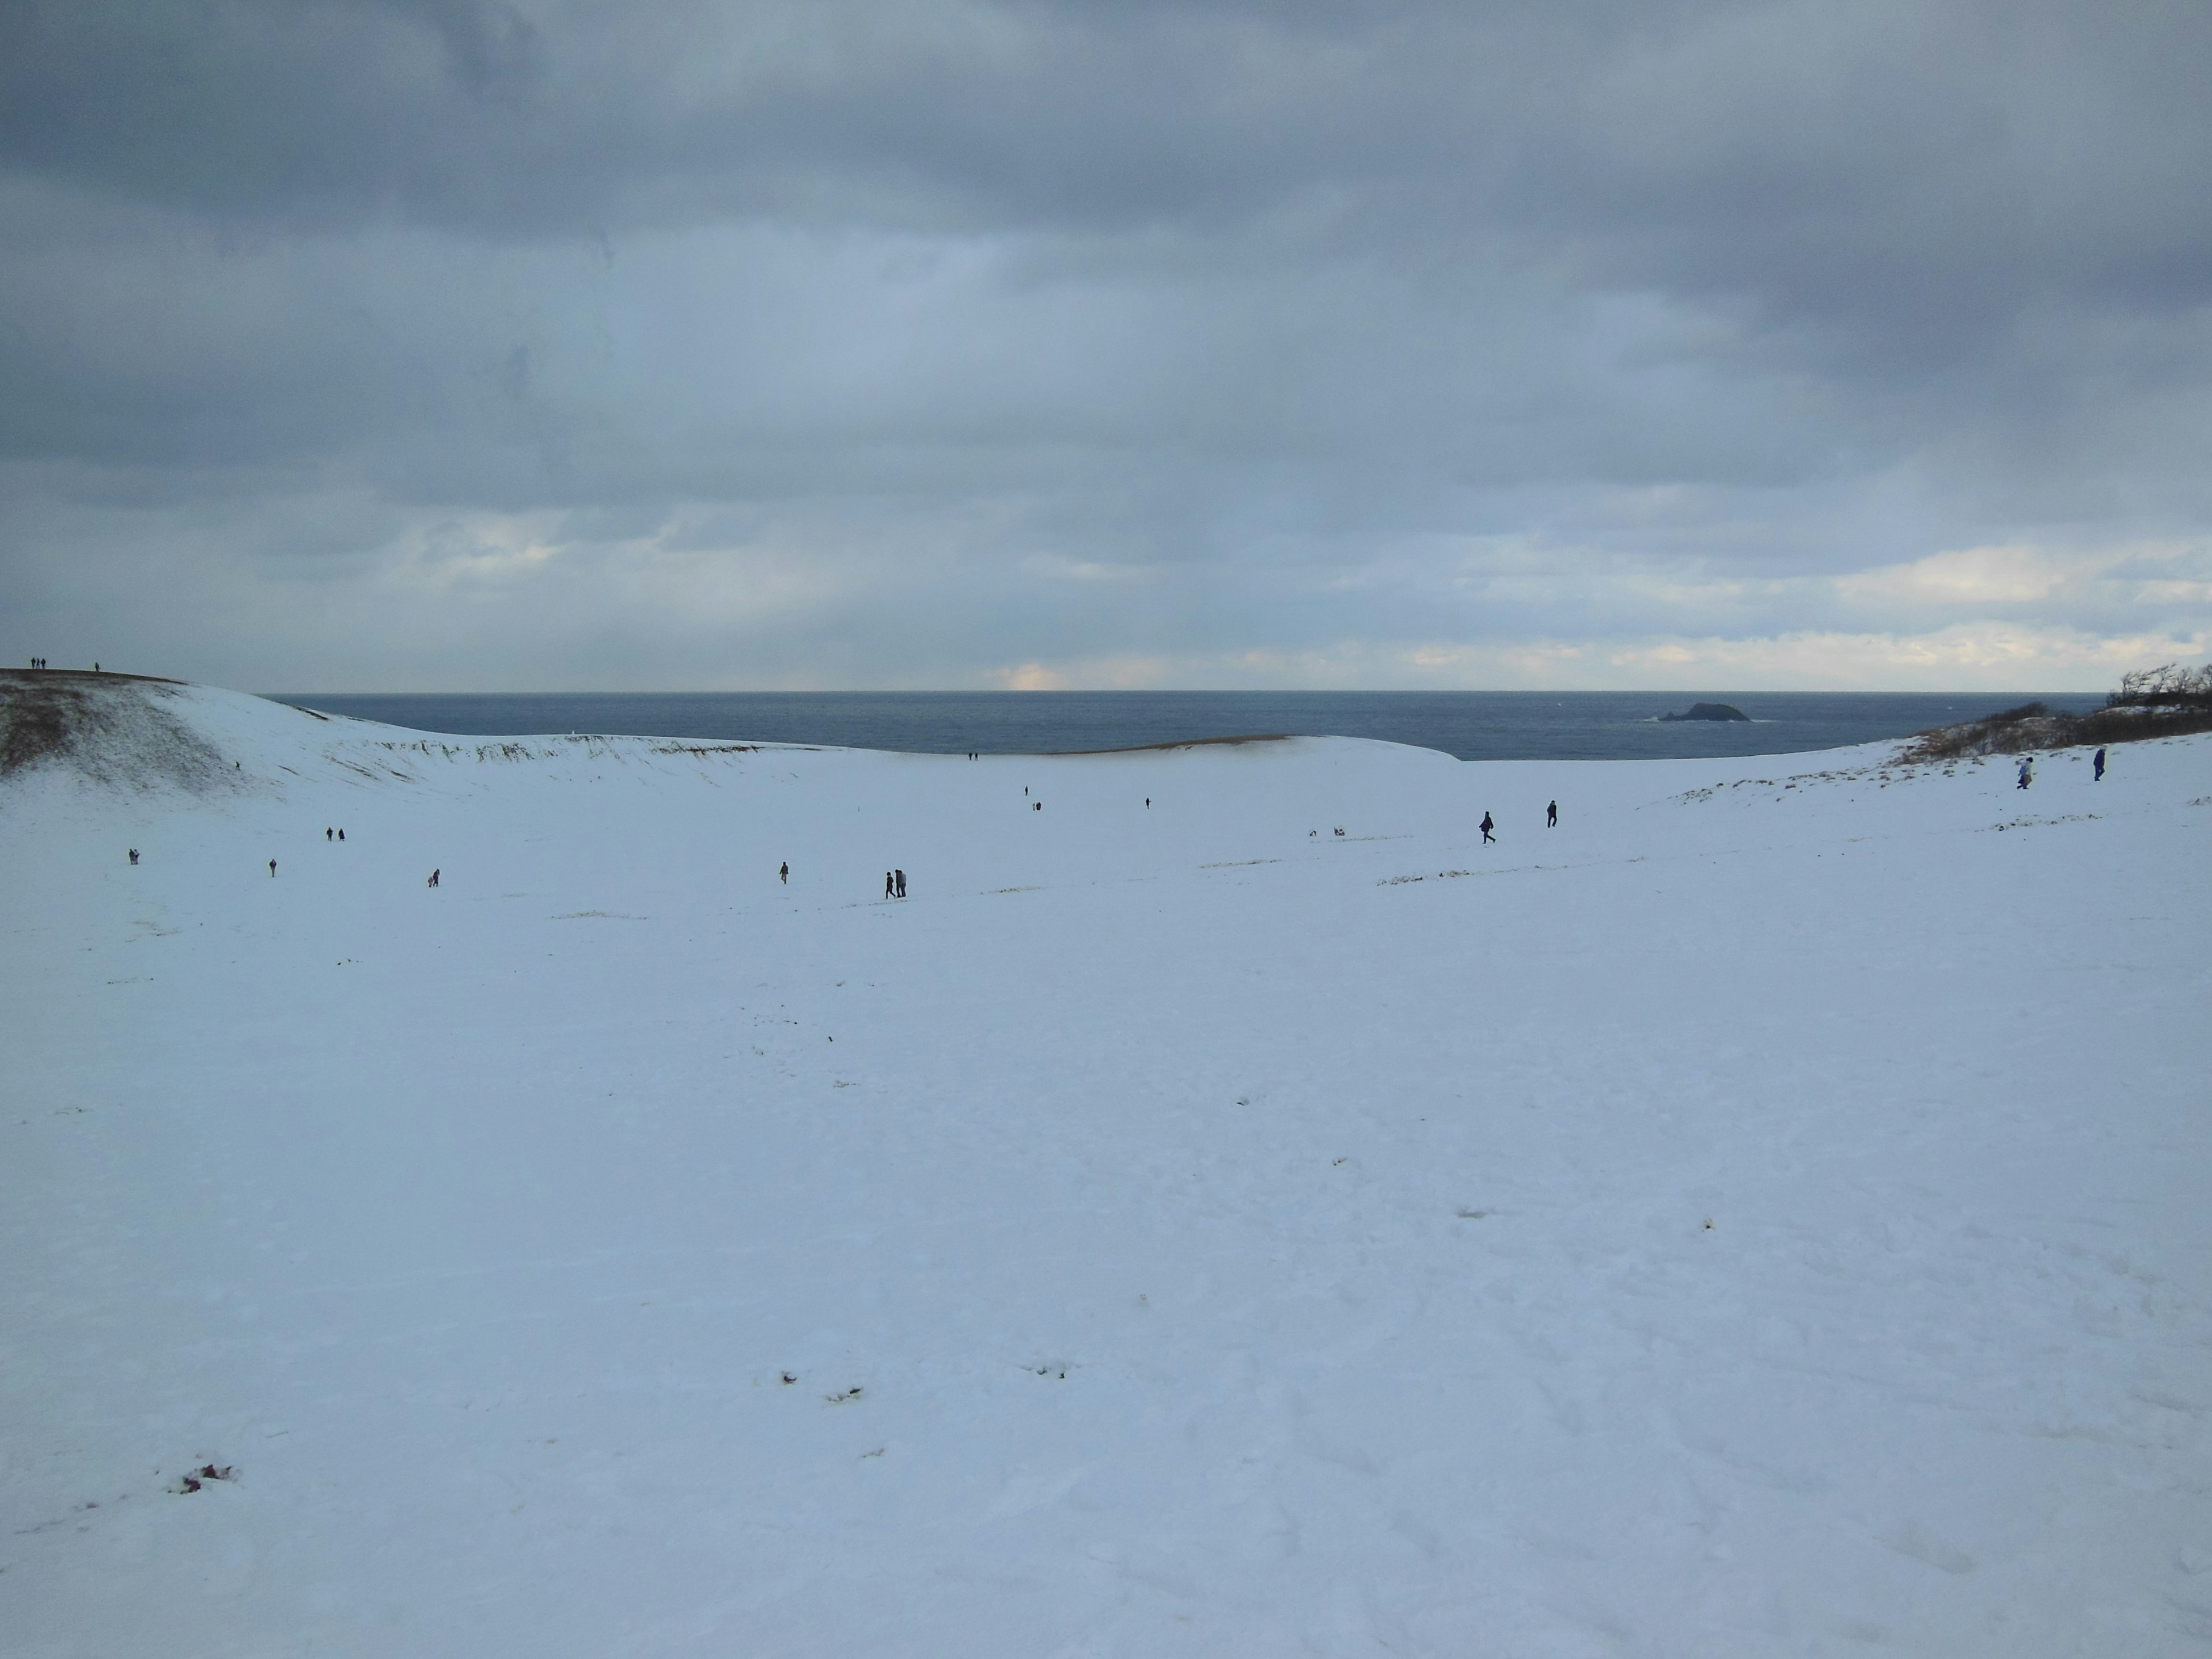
{"x":894,"y":884}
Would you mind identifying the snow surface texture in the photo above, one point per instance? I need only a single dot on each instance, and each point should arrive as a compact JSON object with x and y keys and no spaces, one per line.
{"x":1767,"y":1214}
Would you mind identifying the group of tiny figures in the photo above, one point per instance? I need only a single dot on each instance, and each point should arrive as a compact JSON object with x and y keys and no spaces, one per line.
{"x":894,"y":880}
{"x":329,"y":834}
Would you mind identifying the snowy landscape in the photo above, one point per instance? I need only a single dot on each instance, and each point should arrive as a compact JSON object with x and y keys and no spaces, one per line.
{"x":1225,"y":1208}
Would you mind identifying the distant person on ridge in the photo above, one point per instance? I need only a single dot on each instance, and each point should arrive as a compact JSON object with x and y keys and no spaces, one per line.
{"x":783,"y":875}
{"x":1486,"y":827}
{"x":2100,"y":778}
{"x":1552,"y":816}
{"x":901,"y":874}
{"x":2027,"y":772}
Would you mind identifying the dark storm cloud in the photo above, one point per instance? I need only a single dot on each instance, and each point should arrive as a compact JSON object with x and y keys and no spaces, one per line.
{"x":1091,"y":333}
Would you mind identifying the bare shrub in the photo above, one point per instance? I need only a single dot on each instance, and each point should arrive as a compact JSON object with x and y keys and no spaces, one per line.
{"x":2152,"y":702}
{"x":2167,"y":687}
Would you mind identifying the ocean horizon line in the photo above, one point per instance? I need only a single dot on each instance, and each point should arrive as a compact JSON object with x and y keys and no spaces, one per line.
{"x":1466,"y":725}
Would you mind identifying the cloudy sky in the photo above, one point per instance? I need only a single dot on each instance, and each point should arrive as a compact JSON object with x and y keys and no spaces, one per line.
{"x":429,"y":344}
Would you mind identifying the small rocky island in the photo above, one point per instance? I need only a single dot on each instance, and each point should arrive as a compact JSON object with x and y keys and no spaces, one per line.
{"x":1710,"y":711}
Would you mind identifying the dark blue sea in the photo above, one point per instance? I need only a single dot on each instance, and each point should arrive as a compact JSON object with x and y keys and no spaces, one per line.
{"x":1471,"y":724}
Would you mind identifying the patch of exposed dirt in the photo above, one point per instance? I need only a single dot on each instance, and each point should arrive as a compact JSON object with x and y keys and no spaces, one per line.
{"x":114,"y":730}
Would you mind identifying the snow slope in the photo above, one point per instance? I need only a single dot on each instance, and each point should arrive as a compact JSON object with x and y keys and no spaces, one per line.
{"x":1767,"y":1214}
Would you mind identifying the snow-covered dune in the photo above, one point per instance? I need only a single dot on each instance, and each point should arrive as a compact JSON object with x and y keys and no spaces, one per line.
{"x":1765,"y":1214}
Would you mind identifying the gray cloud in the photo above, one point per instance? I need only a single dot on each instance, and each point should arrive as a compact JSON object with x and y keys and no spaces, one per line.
{"x":897,"y":343}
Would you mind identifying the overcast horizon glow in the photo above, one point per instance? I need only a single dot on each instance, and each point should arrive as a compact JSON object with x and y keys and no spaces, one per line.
{"x":411,"y":345}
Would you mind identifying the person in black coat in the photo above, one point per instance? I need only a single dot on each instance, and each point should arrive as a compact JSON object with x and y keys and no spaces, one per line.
{"x":1488,"y":826}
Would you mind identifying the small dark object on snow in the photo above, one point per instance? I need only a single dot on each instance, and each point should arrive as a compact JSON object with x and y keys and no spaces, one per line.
{"x":272,"y":868}
{"x":783,"y":875}
{"x":788,"y":1376}
{"x":433,"y":878}
{"x":187,"y":1483}
{"x":1710,"y":711}
{"x":341,"y":835}
{"x":134,"y":855}
{"x":328,"y":834}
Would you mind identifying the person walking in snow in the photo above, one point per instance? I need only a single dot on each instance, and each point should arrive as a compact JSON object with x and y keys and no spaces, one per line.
{"x":272,"y":869}
{"x":134,"y":855}
{"x":341,"y":835}
{"x":2027,"y":772}
{"x":783,"y":874}
{"x":889,"y":891}
{"x":433,"y":878}
{"x":328,"y":833}
{"x":1486,"y":827}
{"x":1552,"y":816}
{"x":2100,"y":778}
{"x":901,"y":876}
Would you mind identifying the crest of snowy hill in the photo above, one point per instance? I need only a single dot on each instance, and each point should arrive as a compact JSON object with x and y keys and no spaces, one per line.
{"x":128,"y":732}
{"x":1230,"y":1206}
{"x":120,"y":732}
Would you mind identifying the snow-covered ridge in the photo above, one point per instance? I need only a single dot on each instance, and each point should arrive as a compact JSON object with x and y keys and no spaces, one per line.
{"x":1763,"y":1214}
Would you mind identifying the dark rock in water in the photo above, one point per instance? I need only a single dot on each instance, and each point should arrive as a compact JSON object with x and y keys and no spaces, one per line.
{"x":1710,"y":711}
